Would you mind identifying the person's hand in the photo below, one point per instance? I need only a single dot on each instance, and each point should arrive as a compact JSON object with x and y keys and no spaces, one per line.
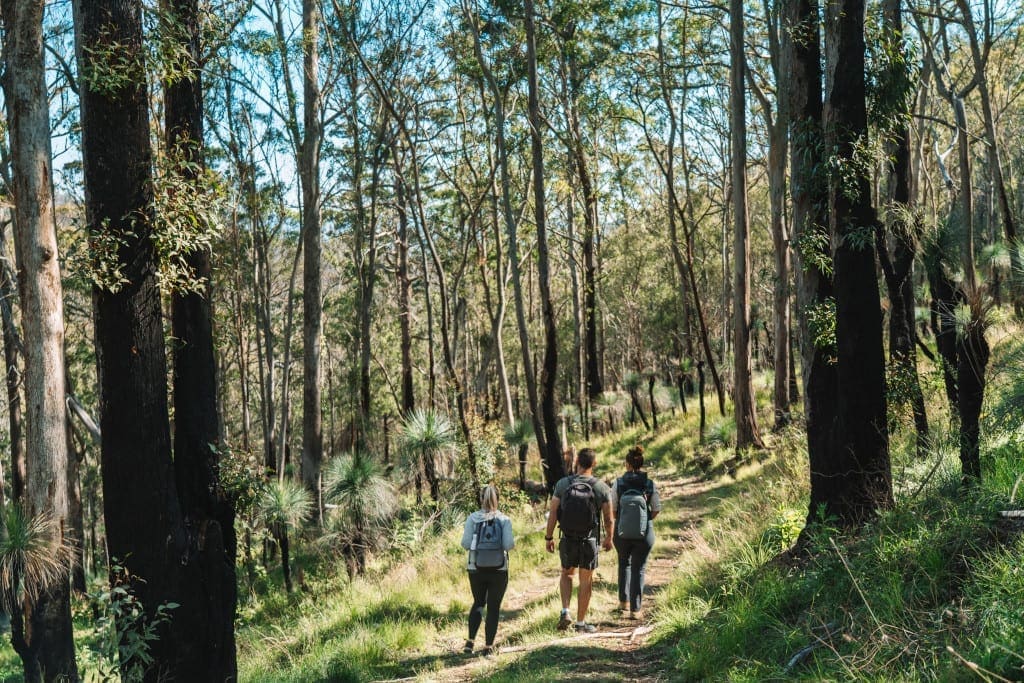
{"x":607,"y":543}
{"x":550,"y":544}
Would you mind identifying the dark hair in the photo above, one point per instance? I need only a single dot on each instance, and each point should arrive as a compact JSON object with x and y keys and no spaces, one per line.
{"x":586,"y":458}
{"x":635,"y":457}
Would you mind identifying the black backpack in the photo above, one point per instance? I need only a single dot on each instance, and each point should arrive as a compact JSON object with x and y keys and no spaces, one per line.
{"x":489,"y":551}
{"x":577,"y":509}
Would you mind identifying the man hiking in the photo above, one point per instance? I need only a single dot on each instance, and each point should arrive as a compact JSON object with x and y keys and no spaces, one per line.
{"x":574,"y":505}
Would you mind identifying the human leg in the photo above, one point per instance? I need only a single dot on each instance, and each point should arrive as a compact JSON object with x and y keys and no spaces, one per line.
{"x":583,"y":595}
{"x":638,"y":569}
{"x":622,"y":551}
{"x":495,"y":593}
{"x":478,"y":585}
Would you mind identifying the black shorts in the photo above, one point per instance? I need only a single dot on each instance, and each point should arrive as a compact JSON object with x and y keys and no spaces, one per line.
{"x":578,"y":552}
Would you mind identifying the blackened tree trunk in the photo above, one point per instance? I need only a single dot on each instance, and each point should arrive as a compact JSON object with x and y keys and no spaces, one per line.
{"x":899,"y":268}
{"x":747,"y":435}
{"x":47,"y":647}
{"x":144,"y":521}
{"x":864,"y":484}
{"x":312,"y":307}
{"x":404,"y":285}
{"x":552,"y":453}
{"x":802,"y":41}
{"x":208,"y":513}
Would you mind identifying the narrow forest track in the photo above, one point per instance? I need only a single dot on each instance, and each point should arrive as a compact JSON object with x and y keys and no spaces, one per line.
{"x":618,"y":651}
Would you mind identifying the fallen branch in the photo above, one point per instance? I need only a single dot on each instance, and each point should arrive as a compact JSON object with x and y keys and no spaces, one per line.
{"x":831,"y":630}
{"x":638,"y":631}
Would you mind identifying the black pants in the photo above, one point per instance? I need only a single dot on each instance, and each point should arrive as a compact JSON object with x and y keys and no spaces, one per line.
{"x":632,"y":567}
{"x":488,"y":590}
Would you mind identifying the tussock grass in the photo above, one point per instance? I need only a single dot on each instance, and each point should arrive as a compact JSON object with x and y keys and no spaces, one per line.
{"x":930,"y":591}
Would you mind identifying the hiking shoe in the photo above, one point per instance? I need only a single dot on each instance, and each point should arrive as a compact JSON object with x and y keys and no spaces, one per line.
{"x":468,"y":649}
{"x":489,"y":650}
{"x":585,"y":628}
{"x":636,"y":614}
{"x":623,"y":607}
{"x":564,"y":622}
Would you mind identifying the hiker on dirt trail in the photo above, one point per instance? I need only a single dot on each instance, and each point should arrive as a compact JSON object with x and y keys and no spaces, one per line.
{"x":574,"y":505}
{"x":488,"y":538}
{"x":636,"y":505}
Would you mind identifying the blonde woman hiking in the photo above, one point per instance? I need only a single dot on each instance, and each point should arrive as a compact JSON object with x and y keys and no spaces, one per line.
{"x":488,"y":538}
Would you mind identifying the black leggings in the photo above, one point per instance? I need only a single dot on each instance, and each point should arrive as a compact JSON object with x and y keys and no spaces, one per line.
{"x":488,"y":589}
{"x":632,"y":567}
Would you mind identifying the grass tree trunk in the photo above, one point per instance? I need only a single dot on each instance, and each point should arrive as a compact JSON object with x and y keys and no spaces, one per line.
{"x":47,"y":649}
{"x":971,"y":346}
{"x":209,"y":516}
{"x":865,"y":483}
{"x":747,"y":435}
{"x":312,"y":308}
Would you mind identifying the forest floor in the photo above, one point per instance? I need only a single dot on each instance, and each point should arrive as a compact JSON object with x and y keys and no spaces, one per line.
{"x":618,"y":651}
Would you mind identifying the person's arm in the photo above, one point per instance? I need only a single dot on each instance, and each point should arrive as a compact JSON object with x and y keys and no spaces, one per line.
{"x":609,"y":525}
{"x":655,"y":501}
{"x":467,"y":533}
{"x":549,"y":531}
{"x":507,"y":540}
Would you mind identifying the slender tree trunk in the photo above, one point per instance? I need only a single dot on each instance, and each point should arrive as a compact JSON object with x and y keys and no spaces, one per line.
{"x":209,"y":515}
{"x":552,"y":452}
{"x":12,"y":369}
{"x":995,"y":162}
{"x":747,"y":435}
{"x":312,"y":306}
{"x":402,"y":274}
{"x":863,"y":444}
{"x":49,"y":649}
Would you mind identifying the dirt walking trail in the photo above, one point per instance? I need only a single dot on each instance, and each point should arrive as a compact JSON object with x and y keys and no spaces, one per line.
{"x":617,"y":652}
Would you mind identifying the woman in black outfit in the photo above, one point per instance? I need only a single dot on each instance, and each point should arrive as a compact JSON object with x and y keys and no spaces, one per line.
{"x":487,"y":583}
{"x":633,"y":552}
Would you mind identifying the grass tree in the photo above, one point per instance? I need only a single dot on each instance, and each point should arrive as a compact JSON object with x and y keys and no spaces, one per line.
{"x":633,"y":383}
{"x":518,"y":435}
{"x":426,"y":435}
{"x":35,"y":558}
{"x":284,"y":505}
{"x":361,"y":500}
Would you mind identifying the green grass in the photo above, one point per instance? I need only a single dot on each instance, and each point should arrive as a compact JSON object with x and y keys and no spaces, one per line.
{"x":934,"y":583}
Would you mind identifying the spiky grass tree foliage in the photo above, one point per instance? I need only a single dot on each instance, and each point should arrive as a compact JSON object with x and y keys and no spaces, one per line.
{"x":33,"y":556}
{"x":518,"y":435}
{"x":428,"y":436}
{"x":361,"y":500}
{"x":283,"y":506}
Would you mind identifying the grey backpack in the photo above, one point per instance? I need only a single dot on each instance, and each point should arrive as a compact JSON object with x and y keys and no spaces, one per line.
{"x":633,"y":516}
{"x":489,"y":551}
